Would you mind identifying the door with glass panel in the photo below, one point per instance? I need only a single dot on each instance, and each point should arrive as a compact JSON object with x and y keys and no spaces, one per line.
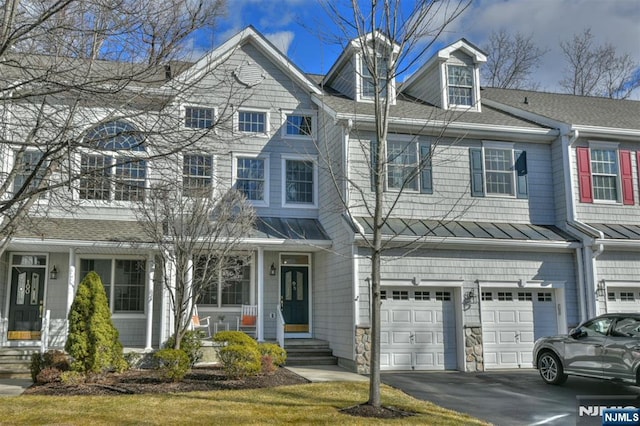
{"x":294,"y":296}
{"x":26,"y":297}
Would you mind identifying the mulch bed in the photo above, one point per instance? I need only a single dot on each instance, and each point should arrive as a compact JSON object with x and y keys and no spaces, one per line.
{"x":141,"y":381}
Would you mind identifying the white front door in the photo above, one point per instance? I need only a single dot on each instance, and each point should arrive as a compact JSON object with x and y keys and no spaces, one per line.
{"x":512,"y":320}
{"x":418,"y":329}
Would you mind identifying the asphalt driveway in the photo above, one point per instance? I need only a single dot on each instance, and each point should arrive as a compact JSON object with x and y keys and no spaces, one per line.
{"x":504,"y":397}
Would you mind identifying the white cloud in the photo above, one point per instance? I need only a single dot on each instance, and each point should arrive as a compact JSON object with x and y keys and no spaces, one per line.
{"x":282,"y":40}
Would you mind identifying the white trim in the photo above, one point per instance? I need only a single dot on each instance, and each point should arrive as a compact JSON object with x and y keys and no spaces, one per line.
{"x":309,"y":267}
{"x":234,"y":174}
{"x":283,"y":188}
{"x":502,"y":146}
{"x":303,"y":113}
{"x":182,"y":111}
{"x":408,"y":282}
{"x":249,"y":109}
{"x":621,"y":284}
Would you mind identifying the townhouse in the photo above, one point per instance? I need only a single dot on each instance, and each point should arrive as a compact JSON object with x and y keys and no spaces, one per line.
{"x":518,"y":220}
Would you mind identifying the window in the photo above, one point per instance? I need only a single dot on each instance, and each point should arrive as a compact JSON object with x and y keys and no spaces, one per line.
{"x":298,"y":125}
{"x":28,"y":172}
{"x":460,"y":79}
{"x":231,"y":287}
{"x":544,"y":297}
{"x":626,"y":296}
{"x":611,"y":296}
{"x":498,"y":171}
{"x":505,"y":296}
{"x":300,"y":182}
{"x":252,"y":121}
{"x":368,"y":87}
{"x":443,"y":295}
{"x":487,"y":295}
{"x":408,"y":165}
{"x":198,"y":118}
{"x":422,"y":295}
{"x":251,"y":175}
{"x":525,"y":296}
{"x":123,"y":280}
{"x":605,"y":174}
{"x":118,"y":173}
{"x":400,"y":295}
{"x":197,"y":175}
{"x":597,"y":327}
{"x":626,"y":327}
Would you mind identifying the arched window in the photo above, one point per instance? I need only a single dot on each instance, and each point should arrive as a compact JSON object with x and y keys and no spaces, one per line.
{"x":121,"y":173}
{"x":115,"y":136}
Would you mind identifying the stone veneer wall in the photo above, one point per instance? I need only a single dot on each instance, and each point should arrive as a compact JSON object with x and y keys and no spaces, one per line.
{"x":363,"y":349}
{"x":473,"y":348}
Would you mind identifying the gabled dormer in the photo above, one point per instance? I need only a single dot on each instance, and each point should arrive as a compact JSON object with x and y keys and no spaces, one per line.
{"x":353,"y":73}
{"x":450,"y":79}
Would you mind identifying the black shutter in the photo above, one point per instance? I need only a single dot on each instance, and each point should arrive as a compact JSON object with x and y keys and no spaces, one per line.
{"x":477,"y":172}
{"x":426,"y":183}
{"x":522,"y":185}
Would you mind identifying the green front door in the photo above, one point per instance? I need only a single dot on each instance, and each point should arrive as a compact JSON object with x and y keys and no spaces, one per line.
{"x":294,"y":294}
{"x":25,"y":306}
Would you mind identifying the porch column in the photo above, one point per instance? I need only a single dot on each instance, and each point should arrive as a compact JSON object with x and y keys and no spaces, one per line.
{"x":260,"y":284}
{"x":71,"y":280}
{"x":149,"y":307}
{"x":168,"y":284}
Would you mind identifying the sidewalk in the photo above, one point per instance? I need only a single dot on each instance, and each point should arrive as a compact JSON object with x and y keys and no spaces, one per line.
{"x":327,"y":373}
{"x":13,"y":387}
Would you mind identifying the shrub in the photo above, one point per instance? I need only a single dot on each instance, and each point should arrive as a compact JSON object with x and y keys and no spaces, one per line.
{"x":239,"y":361}
{"x":190,"y":344}
{"x":235,"y":338}
{"x":48,"y":375}
{"x":50,"y":359}
{"x":268,"y":367}
{"x":93,"y":341}
{"x":173,"y":363}
{"x":72,"y":377}
{"x":275,"y":352}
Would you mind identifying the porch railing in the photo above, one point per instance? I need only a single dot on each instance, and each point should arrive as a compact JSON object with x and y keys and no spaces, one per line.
{"x":280,"y":326}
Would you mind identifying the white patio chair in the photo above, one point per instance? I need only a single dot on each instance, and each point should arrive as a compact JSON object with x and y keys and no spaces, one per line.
{"x":248,"y":319}
{"x":200,"y":323}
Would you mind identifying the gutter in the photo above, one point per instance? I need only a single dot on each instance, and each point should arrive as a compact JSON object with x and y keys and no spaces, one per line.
{"x":590,"y":236}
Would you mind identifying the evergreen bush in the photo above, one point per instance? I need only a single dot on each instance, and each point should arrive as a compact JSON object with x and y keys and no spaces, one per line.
{"x":173,"y":363}
{"x":93,"y":341}
{"x":239,"y":361}
{"x":191,"y":344}
{"x":235,"y":338}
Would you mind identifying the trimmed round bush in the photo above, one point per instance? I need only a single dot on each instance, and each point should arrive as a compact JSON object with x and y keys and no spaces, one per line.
{"x":277,"y":354}
{"x":239,"y":361}
{"x":173,"y":363}
{"x":235,"y":338}
{"x":190,"y":343}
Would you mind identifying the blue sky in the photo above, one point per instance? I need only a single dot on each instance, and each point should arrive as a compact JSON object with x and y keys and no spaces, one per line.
{"x":302,"y":30}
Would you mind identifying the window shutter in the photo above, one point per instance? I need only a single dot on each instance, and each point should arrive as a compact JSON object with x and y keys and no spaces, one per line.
{"x":426,"y":184}
{"x":584,"y":174}
{"x":522,"y":184}
{"x":373,"y":164}
{"x":477,"y":172}
{"x":626,"y":174}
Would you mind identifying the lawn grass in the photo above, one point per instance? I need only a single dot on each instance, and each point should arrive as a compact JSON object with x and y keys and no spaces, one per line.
{"x":315,"y":403}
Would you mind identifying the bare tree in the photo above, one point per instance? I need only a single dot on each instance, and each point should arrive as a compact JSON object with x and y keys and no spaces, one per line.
{"x":390,"y":40}
{"x":511,"y":61}
{"x":199,"y":239}
{"x":598,"y":70}
{"x":68,"y":65}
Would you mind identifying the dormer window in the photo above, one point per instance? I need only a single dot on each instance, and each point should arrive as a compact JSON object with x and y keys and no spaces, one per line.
{"x":460,"y":85}
{"x":368,"y":86}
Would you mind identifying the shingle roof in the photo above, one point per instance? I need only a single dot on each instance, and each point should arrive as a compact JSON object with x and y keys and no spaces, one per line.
{"x":466,"y":229}
{"x":577,"y":110}
{"x":409,"y":108}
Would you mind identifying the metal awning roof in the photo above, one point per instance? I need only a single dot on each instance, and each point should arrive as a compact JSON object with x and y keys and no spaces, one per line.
{"x":418,"y":228}
{"x":290,"y":228}
{"x":618,"y":232}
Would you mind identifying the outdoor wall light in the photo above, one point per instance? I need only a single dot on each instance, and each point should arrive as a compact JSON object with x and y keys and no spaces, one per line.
{"x":470,"y":296}
{"x":53,"y":274}
{"x":272,"y":270}
{"x":600,"y":289}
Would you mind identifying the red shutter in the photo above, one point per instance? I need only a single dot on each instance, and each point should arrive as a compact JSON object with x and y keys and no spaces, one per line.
{"x":584,"y":175}
{"x":626,"y":173}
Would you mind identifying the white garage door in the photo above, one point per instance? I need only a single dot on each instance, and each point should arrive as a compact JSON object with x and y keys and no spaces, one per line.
{"x":623,"y":299}
{"x":511,"y":322}
{"x":418,"y":329}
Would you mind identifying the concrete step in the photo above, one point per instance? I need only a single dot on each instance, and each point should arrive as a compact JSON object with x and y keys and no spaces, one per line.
{"x":305,"y":352}
{"x":16,"y":362}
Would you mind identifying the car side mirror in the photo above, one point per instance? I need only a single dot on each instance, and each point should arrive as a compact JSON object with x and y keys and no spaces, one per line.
{"x":577,"y":333}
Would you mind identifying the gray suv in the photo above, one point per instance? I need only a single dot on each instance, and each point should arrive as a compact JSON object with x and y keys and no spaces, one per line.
{"x":605,"y":347}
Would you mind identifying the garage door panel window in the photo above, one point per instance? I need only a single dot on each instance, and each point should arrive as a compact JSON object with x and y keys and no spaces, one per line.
{"x":443,"y":295}
{"x":422,"y":295}
{"x":544,"y":297}
{"x":487,"y":296}
{"x":505,"y":296}
{"x":524,"y":296}
{"x":400,"y":295}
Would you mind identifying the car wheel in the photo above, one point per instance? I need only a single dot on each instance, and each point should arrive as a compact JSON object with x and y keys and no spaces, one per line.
{"x":550,"y":369}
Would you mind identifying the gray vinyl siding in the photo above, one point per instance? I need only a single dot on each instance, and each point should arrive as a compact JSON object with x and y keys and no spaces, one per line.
{"x":132,"y":330}
{"x":618,"y":266}
{"x":429,"y":86}
{"x":344,"y":80}
{"x":469,"y":266}
{"x":600,"y":212}
{"x":451,"y":198}
{"x":271,"y":293}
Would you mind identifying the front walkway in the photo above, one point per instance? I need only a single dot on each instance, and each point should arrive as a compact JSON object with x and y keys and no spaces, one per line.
{"x":327,"y":373}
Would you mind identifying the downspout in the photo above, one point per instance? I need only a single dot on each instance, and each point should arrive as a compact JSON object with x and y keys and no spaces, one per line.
{"x":345,"y":155}
{"x":587,"y":269}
